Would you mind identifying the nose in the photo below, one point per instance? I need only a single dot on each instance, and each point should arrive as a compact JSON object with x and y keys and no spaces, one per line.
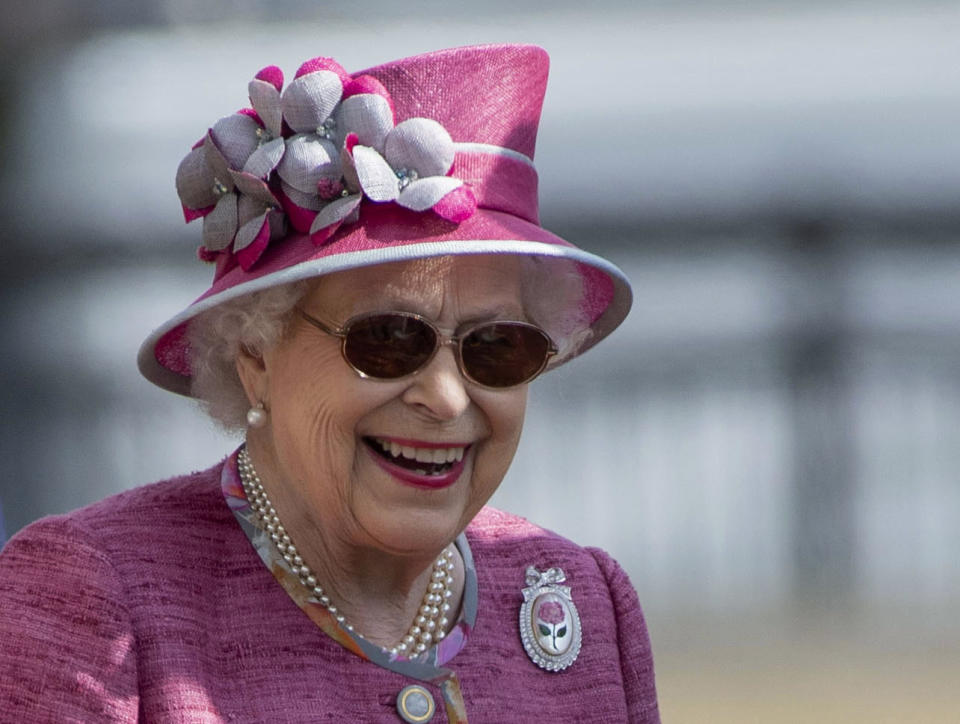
{"x":439,"y":390}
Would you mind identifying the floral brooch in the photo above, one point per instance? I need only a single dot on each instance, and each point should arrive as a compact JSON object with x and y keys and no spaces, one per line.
{"x":307,"y":156}
{"x":549,"y":620}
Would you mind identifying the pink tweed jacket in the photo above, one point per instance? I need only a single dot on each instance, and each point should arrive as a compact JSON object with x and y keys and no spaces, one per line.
{"x":153,"y":606}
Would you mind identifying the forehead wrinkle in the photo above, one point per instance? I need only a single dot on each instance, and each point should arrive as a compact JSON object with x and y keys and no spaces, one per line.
{"x":411,"y":287}
{"x":457,"y":289}
{"x":489,"y":288}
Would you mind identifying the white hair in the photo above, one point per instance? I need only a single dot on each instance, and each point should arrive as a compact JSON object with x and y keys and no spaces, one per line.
{"x":255,"y":322}
{"x":551,"y":289}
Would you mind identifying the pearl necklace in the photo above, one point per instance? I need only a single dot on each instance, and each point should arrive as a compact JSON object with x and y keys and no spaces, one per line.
{"x":430,"y":624}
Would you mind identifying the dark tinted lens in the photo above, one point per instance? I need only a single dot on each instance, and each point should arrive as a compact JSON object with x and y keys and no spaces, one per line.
{"x":503,"y":354}
{"x":388,"y":345}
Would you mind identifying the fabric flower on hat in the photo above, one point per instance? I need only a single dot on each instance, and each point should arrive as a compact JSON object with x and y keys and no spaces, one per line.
{"x":406,"y":163}
{"x":309,"y":154}
{"x":224,"y":177}
{"x":325,"y":107}
{"x":411,"y":167}
{"x":311,"y":175}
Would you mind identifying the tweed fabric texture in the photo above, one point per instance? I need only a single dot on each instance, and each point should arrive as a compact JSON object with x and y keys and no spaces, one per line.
{"x":153,"y":606}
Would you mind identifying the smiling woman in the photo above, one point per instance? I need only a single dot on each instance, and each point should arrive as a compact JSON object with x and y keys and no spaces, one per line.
{"x":321,"y":425}
{"x":382,"y":296}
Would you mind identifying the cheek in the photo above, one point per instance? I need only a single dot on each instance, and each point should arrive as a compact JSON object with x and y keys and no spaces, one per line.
{"x":513,"y":411}
{"x":311,"y":430}
{"x":505,"y":414}
{"x":313,"y":415}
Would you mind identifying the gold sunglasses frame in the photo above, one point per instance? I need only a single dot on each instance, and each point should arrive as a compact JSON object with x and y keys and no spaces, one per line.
{"x":456,"y":341}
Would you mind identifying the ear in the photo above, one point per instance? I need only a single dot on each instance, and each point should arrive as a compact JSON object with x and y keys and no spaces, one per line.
{"x":252,"y":370}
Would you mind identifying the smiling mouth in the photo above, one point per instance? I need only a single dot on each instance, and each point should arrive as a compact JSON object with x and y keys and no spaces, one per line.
{"x":420,"y":461}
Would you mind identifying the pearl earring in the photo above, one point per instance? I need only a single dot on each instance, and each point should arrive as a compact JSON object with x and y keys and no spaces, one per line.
{"x":257,"y":416}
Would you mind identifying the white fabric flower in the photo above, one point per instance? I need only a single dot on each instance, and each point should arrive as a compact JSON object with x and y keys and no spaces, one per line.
{"x":412,"y":169}
{"x":223,"y":179}
{"x":317,"y":148}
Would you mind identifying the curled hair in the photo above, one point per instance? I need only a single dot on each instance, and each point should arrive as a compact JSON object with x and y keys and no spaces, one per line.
{"x":552,"y":294}
{"x":255,"y":322}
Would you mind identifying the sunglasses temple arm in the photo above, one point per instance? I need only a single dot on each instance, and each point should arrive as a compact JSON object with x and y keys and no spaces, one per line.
{"x":322,"y":326}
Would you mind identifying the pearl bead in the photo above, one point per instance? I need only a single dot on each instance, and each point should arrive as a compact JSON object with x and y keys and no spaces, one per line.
{"x":426,"y":627}
{"x":256,"y":416}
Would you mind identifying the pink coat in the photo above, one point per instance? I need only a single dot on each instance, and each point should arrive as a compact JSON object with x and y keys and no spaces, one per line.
{"x":153,"y":606}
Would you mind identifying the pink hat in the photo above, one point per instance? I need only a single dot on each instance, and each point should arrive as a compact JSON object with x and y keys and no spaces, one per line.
{"x":422,"y":157}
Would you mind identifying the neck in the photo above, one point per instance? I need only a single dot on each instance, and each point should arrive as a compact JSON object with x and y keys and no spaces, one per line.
{"x":380,"y":594}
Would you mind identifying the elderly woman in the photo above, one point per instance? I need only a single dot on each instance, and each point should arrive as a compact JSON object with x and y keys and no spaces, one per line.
{"x":382,"y":296}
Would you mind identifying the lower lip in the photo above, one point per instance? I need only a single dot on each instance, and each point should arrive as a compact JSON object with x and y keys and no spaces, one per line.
{"x":430,"y":482}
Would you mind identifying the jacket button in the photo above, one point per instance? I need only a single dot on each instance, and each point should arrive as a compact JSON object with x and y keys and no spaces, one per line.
{"x":415,"y":704}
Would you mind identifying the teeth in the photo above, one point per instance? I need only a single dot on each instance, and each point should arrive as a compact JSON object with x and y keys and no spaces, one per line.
{"x":423,"y":456}
{"x":436,"y":456}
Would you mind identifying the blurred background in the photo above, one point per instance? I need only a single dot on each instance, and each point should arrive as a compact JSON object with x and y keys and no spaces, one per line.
{"x":770,"y":444}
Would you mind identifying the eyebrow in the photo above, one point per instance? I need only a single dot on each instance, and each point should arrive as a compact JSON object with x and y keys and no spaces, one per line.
{"x":482,"y":315}
{"x":498,"y":313}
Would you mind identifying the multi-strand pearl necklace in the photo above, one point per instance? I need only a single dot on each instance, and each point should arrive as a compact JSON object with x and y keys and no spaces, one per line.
{"x":430,"y":624}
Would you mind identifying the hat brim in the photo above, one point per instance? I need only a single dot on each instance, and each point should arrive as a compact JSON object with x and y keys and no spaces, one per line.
{"x":389,"y":234}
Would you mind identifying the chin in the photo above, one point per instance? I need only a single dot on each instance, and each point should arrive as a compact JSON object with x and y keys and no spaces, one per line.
{"x":419,"y":527}
{"x":416,"y":536}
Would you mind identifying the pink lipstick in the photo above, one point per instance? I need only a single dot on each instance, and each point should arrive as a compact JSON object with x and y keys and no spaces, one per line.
{"x":423,"y":464}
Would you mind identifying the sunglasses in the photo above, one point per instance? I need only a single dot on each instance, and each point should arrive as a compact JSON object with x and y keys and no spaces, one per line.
{"x":390,"y":345}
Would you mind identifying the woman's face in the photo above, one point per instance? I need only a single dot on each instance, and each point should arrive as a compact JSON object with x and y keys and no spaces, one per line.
{"x":328,"y":428}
